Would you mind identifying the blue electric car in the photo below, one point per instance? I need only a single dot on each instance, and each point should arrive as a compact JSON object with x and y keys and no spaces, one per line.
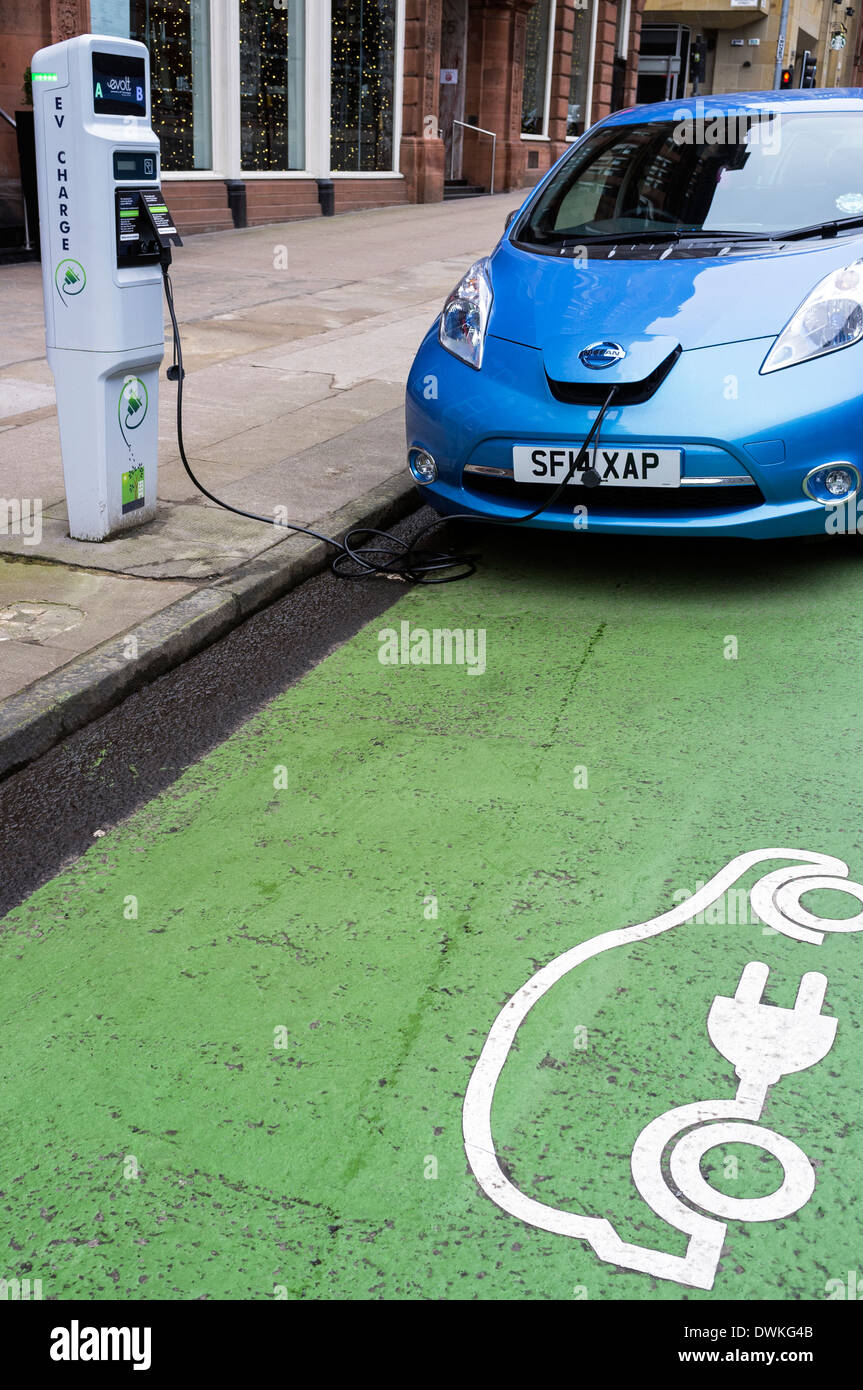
{"x":683,"y":292}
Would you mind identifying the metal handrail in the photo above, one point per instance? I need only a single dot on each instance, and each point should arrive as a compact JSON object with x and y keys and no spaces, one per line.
{"x":28,"y":244}
{"x":466,"y":125}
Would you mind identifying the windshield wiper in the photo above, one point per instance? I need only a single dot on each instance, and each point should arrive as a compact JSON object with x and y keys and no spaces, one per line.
{"x":824,"y":229}
{"x":707,"y":234}
{"x":658,"y":237}
{"x":622,"y":238}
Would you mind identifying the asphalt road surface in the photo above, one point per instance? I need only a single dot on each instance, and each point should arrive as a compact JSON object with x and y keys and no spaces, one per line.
{"x":244,"y":1027}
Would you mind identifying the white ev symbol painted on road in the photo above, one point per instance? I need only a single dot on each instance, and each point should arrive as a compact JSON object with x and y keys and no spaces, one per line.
{"x":764,"y":1043}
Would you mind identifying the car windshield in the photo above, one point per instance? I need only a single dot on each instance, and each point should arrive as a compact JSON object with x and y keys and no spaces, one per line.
{"x":751,"y":172}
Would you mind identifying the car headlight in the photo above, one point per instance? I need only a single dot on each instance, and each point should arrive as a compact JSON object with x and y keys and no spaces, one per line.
{"x":465,"y":315}
{"x":831,"y":317}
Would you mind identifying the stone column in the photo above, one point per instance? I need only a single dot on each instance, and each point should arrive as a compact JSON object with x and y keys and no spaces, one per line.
{"x":635,"y":23}
{"x":422,"y":149}
{"x":603,"y":72}
{"x":561,"y":73}
{"x":603,"y":69}
{"x":69,"y":18}
{"x":496,"y":46}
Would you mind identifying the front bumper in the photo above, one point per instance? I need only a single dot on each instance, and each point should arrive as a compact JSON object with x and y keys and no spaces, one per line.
{"x":759,"y":435}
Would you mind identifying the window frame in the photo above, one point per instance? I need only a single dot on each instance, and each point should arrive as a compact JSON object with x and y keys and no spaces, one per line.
{"x":591,"y":69}
{"x":225,"y":100}
{"x":543,"y":135}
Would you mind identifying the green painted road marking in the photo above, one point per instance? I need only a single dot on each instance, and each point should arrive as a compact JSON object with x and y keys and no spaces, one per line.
{"x":236,"y":1038}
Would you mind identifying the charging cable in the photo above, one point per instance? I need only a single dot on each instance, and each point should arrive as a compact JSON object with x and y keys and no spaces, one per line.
{"x":366,"y":552}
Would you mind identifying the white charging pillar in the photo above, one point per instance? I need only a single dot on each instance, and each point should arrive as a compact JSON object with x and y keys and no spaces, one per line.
{"x":98,"y":164}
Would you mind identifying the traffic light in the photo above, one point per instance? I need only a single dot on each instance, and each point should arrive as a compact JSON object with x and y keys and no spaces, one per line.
{"x":785,"y":80}
{"x":807,"y":70}
{"x":697,"y":55}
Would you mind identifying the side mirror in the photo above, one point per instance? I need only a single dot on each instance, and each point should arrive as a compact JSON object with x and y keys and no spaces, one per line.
{"x":510,"y":218}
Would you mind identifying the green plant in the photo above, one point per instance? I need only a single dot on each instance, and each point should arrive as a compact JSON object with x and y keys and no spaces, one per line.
{"x":28,"y":86}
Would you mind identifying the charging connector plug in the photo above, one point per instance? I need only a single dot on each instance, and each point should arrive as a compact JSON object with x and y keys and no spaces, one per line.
{"x":765,"y":1042}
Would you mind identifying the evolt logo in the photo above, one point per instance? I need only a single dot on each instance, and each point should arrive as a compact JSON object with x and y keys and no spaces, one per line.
{"x":76,"y":1343}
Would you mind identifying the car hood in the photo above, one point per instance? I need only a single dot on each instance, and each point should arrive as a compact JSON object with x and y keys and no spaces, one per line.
{"x":694,"y":301}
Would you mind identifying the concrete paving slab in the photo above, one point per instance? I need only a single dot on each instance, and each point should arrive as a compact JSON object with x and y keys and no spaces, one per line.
{"x":36,"y":620}
{"x":358,"y":458}
{"x":290,"y":435}
{"x":30,"y":369}
{"x":49,"y":614}
{"x":194,"y":541}
{"x":379,"y":241}
{"x":218,"y":339}
{"x":301,"y":316}
{"x":226,"y":399}
{"x":30,"y":464}
{"x":18,"y":396}
{"x":384,"y":351}
{"x":21,"y":664}
{"x":22,"y":307}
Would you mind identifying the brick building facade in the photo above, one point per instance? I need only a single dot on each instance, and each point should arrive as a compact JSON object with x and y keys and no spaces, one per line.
{"x":494,"y":86}
{"x":270,"y":112}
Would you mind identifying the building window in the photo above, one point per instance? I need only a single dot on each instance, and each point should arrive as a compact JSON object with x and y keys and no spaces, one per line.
{"x":177,"y":33}
{"x":579,"y":94}
{"x":537,"y":66}
{"x":362,"y":77}
{"x":272,"y":85}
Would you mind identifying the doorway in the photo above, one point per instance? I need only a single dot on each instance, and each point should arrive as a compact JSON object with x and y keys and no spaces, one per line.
{"x":663,"y":62}
{"x":453,"y":65}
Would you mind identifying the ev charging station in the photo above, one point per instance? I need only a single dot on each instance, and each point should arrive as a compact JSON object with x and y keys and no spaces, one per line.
{"x":106,"y":232}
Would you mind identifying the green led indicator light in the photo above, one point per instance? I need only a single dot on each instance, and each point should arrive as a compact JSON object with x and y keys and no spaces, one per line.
{"x":43,"y":76}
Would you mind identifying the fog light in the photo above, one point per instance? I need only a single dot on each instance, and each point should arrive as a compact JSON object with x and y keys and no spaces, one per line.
{"x":422,"y":465}
{"x":837,"y":482}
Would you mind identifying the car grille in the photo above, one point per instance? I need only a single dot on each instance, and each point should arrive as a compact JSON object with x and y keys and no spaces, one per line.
{"x":627,"y":393}
{"x":611,"y":501}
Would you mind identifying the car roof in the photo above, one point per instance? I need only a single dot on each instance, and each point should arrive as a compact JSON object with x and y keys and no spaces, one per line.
{"x":824,"y":100}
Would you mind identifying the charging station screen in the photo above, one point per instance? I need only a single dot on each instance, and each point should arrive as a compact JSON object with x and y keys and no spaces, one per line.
{"x":118,"y":85}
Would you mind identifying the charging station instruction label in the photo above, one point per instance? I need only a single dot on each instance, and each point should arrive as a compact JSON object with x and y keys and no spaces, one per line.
{"x":132,"y":408}
{"x":159,"y":212}
{"x":133,"y":489}
{"x":129,"y":213}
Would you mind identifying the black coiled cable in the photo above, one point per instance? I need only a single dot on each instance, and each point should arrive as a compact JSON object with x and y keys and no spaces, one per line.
{"x":365,"y":551}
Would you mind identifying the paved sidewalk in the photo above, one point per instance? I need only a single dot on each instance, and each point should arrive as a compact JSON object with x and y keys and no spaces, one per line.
{"x":293,"y":398}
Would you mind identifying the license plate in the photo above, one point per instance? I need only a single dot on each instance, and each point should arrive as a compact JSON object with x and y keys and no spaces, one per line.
{"x":628,"y":466}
